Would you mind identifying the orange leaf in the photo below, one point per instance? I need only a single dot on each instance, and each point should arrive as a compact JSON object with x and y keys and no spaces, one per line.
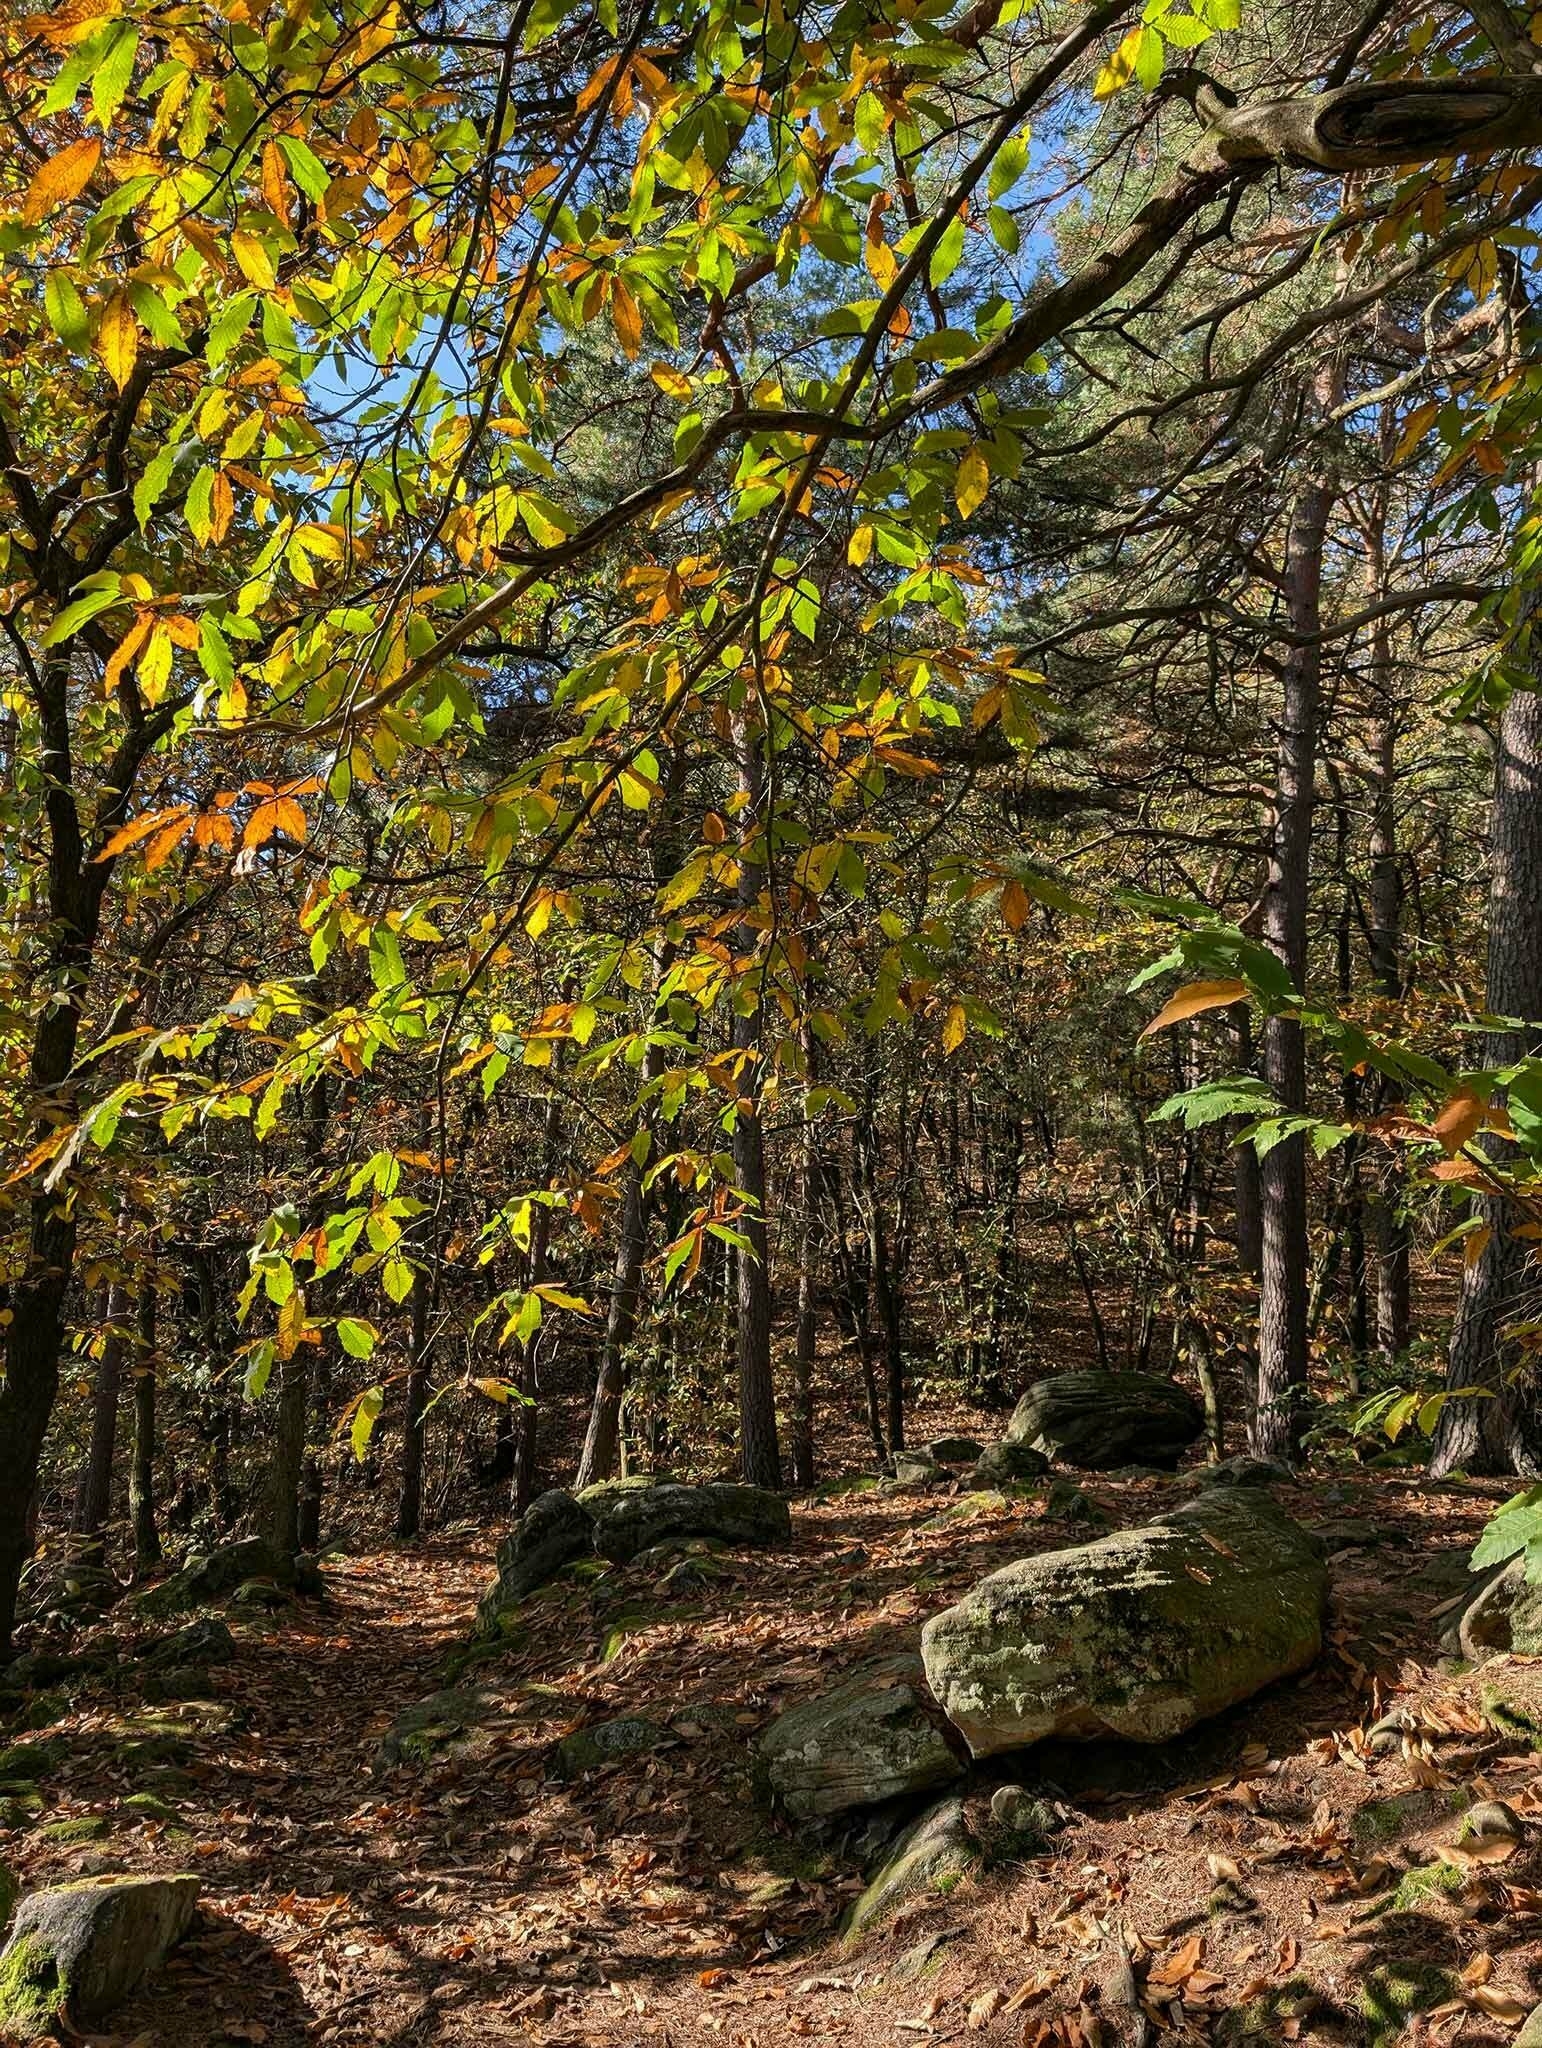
{"x":1014,"y":906}
{"x":1182,"y":1965}
{"x":626,"y":315}
{"x":275,"y":182}
{"x":278,"y":814}
{"x":1198,"y":996}
{"x":141,"y":828}
{"x":63,"y":177}
{"x":1459,"y":1119}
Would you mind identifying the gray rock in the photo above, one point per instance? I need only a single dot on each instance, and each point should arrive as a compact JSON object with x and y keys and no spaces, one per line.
{"x":1504,"y":1614}
{"x":609,"y":1742}
{"x":1138,"y":1635}
{"x":551,"y":1533}
{"x":955,"y":1450}
{"x":1240,"y":1471}
{"x":1020,"y":1823}
{"x":1067,"y":1503}
{"x":932,"y":1857}
{"x":877,"y":1736}
{"x":631,"y":1521}
{"x":1100,"y":1420}
{"x":1530,"y":2035}
{"x":76,"y":1953}
{"x":916,"y":1468}
{"x":1008,"y":1464}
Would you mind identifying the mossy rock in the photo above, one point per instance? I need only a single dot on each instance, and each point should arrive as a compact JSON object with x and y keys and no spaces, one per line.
{"x":205,"y":1579}
{"x":876,"y":1736}
{"x":1066,"y":1502}
{"x":609,"y":1742}
{"x":986,"y":1501}
{"x":931,"y":1859}
{"x":1139,"y":1635}
{"x":1394,"y":1992}
{"x":136,"y":1752}
{"x":1388,"y":1820}
{"x":30,"y":1761}
{"x":847,"y":1483}
{"x":1100,"y":1420}
{"x":143,"y":1806}
{"x":77,"y":1952}
{"x":1509,"y":1717}
{"x":20,"y":1805}
{"x":604,"y":1490}
{"x":441,"y":1725}
{"x":83,"y":1827}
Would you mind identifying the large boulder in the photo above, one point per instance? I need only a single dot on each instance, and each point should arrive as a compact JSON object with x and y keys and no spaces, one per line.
{"x":633,"y":1519}
{"x":877,"y":1736}
{"x":1100,"y":1420}
{"x":1504,"y":1614}
{"x":551,"y":1532}
{"x":77,"y":1952}
{"x":1138,"y":1635}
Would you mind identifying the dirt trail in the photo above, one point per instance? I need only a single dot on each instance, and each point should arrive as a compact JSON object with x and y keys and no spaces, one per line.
{"x":1255,"y":1873}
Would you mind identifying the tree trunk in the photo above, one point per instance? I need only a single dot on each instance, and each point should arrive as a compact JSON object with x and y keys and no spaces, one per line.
{"x":409,"y":1500}
{"x":147,"y":1541}
{"x":801,"y":1434}
{"x":759,"y":1454}
{"x":313,"y":1477}
{"x":93,"y":1496}
{"x":1499,"y":1434}
{"x":1282,"y":1293}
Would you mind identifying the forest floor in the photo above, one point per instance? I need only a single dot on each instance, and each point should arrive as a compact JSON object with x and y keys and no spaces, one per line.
{"x":1245,"y":1870}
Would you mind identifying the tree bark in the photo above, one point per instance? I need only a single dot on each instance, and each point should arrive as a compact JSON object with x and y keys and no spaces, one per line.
{"x":759,"y":1454}
{"x":142,"y":1516}
{"x":1498,"y":1288}
{"x":93,"y":1495}
{"x":409,"y":1499}
{"x":1282,"y":1293}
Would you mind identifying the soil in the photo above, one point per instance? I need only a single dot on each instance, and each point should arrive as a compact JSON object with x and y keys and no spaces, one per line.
{"x":1245,"y":1883}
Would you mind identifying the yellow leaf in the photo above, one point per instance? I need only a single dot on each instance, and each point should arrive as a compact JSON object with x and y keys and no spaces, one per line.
{"x":671,"y":382}
{"x":626,"y":315}
{"x":117,"y":339}
{"x":971,"y":483}
{"x":954,"y":1027}
{"x":252,"y":256}
{"x":1119,"y":69}
{"x":63,"y":177}
{"x":1195,"y":998}
{"x":860,"y":546}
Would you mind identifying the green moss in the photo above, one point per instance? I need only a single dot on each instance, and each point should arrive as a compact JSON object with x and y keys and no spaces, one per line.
{"x":32,"y":1992}
{"x":1509,"y":1718}
{"x":1384,"y":1820}
{"x":32,"y":1760}
{"x":1394,"y":1992}
{"x":1420,"y":1888}
{"x":1262,"y":2017}
{"x":85,"y":1827}
{"x":145,"y":1806}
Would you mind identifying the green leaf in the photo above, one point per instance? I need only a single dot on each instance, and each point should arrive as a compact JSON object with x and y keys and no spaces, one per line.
{"x":305,"y":167}
{"x":385,"y":959}
{"x":366,"y":1414}
{"x":66,"y":311}
{"x":948,"y":253}
{"x":1515,"y":1526}
{"x":152,"y":483}
{"x":357,"y":1337}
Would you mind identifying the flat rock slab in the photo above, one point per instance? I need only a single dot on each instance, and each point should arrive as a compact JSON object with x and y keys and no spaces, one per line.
{"x":1101,"y":1420}
{"x":634,"y":1519}
{"x":877,"y":1736}
{"x":1138,"y":1635}
{"x":76,"y":1953}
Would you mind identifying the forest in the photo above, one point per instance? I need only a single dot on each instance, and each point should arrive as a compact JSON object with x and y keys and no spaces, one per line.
{"x":770,"y":1022}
